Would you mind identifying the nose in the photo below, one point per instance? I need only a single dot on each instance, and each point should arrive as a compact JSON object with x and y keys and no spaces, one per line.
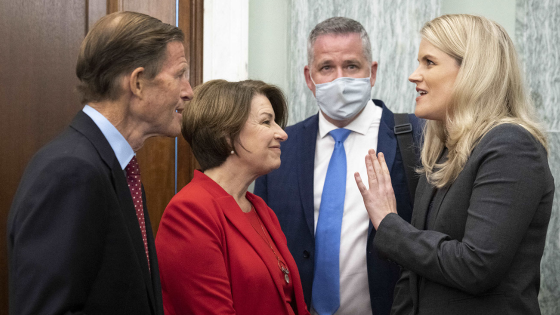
{"x":340,"y":73}
{"x":187,"y":91}
{"x":280,"y":134}
{"x":415,"y":77}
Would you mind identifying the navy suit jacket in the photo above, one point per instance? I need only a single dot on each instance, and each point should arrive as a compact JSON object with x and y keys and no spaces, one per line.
{"x":74,"y":242}
{"x":289,"y":192}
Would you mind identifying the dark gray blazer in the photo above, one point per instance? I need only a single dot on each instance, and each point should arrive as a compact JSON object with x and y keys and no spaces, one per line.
{"x":479,"y":249}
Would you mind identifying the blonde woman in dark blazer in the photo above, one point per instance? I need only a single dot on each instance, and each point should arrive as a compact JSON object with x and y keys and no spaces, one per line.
{"x":485,"y":194}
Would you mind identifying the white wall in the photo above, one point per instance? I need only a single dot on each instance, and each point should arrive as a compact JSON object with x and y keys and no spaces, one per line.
{"x":226,"y":40}
{"x":501,"y":11}
{"x":269,"y":22}
{"x":268,"y":41}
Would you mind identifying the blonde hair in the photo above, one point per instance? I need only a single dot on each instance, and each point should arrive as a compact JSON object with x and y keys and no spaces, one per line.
{"x":488,"y":91}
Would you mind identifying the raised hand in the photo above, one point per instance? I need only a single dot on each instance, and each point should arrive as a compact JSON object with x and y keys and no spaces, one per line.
{"x":379,"y":199}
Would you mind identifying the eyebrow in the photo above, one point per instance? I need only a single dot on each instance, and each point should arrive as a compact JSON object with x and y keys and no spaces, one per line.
{"x":428,"y":56}
{"x":324,"y":63}
{"x":269,"y":114}
{"x":346,"y":61}
{"x":352,"y":61}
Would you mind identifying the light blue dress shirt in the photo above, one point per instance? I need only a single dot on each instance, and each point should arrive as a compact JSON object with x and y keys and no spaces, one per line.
{"x":118,"y":143}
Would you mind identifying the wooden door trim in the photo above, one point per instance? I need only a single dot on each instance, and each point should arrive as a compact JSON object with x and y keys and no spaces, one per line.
{"x":191,"y":21}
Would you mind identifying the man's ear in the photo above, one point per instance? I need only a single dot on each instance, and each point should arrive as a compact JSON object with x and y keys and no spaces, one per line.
{"x":137,"y":81}
{"x":373,"y":73}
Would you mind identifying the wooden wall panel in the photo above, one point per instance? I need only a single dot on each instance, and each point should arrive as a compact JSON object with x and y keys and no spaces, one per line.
{"x":161,"y":9}
{"x":191,"y":15}
{"x":38,"y":54}
{"x":157,"y":163}
{"x":96,"y":9}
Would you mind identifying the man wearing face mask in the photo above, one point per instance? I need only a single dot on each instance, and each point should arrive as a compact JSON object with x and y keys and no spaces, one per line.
{"x":313,"y":193}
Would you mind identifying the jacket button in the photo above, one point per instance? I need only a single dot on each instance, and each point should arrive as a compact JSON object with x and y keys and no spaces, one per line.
{"x":305,"y":254}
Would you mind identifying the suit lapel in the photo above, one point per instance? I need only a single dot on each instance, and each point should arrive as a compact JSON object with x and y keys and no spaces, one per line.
{"x":424,"y":195}
{"x":240,"y":222}
{"x":386,"y":140}
{"x":83,"y":124}
{"x":278,"y":238}
{"x":386,"y":143}
{"x":430,"y":195}
{"x":421,"y":203}
{"x":153,"y":279}
{"x":131,"y":220}
{"x":306,"y":151}
{"x":438,"y":199}
{"x":237,"y":219}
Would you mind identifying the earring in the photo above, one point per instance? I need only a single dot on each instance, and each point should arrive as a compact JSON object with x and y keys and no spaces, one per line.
{"x":232,"y":152}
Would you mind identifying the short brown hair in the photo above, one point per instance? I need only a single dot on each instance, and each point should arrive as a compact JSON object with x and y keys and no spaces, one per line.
{"x":338,"y":26}
{"x":117,"y":44}
{"x":218,"y":112}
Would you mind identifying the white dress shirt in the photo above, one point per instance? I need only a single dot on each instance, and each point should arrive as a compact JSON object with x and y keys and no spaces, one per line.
{"x":118,"y":143}
{"x":354,"y":288}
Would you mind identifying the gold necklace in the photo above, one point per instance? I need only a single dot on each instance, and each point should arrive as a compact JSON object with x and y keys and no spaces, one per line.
{"x":281,"y":264}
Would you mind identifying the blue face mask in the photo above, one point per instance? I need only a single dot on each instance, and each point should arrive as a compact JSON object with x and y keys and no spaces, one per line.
{"x":343,"y":98}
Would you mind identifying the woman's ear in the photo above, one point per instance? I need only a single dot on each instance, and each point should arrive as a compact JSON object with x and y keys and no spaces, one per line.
{"x":230,"y":144}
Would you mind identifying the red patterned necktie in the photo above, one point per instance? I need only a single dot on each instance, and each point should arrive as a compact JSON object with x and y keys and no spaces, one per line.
{"x":133,"y":179}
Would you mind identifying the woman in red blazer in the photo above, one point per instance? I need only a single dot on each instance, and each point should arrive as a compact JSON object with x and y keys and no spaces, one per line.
{"x":220,"y":248}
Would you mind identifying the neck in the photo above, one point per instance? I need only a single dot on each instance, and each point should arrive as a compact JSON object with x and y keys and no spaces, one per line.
{"x":234,"y":180}
{"x":118,"y":114}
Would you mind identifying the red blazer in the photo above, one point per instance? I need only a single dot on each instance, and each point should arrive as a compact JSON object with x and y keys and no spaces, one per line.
{"x":210,"y":257}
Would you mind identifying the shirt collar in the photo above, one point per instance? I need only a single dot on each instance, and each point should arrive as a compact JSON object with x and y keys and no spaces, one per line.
{"x":360,"y":125}
{"x":118,"y":143}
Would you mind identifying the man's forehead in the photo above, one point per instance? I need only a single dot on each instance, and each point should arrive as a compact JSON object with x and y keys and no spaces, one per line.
{"x":347,"y":44}
{"x":338,"y":38}
{"x":175,"y":53}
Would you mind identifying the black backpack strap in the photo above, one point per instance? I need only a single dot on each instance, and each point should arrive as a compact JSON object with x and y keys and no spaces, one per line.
{"x":403,"y":131}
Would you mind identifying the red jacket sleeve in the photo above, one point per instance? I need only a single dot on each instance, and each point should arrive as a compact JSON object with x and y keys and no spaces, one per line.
{"x":192,"y":259}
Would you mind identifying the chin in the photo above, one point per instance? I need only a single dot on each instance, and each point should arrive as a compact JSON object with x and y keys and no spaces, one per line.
{"x":421,"y":113}
{"x":272,"y":168}
{"x":172,"y":133}
{"x":174,"y":130}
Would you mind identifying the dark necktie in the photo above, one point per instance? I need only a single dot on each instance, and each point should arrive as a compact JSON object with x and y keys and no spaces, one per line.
{"x":135,"y":186}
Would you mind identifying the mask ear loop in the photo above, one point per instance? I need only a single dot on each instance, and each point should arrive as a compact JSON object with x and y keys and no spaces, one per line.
{"x":311,"y":77}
